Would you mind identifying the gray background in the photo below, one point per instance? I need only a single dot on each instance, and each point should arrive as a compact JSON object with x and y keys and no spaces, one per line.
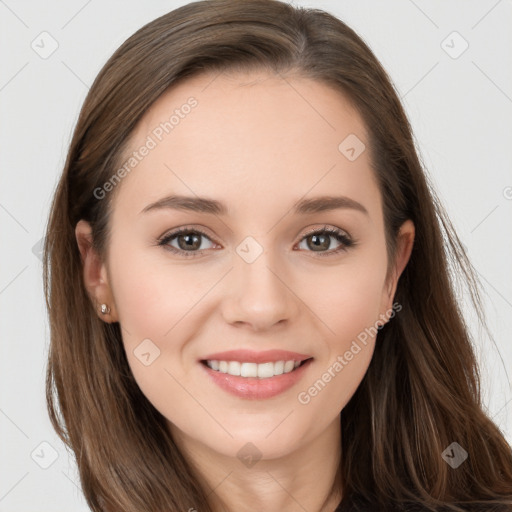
{"x":460,"y":108}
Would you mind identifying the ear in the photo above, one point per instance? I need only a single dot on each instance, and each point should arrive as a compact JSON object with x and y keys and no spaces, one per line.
{"x":405,"y":242}
{"x":95,"y":273}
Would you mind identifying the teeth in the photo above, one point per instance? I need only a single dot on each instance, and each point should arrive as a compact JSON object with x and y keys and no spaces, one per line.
{"x":233,"y":368}
{"x":262,"y":370}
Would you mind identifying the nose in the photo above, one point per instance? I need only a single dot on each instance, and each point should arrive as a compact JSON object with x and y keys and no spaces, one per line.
{"x":258,"y":294}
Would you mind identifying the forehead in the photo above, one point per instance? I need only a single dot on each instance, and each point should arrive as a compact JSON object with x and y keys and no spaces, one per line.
{"x":246,"y":136}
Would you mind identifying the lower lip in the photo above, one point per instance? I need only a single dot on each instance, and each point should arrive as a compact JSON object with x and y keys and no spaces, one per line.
{"x":255,"y":388}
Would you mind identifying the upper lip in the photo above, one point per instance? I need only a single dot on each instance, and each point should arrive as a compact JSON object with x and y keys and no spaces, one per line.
{"x":250,"y":356}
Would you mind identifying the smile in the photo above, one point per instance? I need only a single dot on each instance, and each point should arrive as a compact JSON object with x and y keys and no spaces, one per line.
{"x":246,"y":369}
{"x":256,"y":381}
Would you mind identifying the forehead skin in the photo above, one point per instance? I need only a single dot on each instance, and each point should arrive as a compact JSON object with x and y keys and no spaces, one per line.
{"x":250,"y":138}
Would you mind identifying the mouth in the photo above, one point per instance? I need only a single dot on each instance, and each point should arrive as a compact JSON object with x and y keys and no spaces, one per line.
{"x":251,"y":370}
{"x":255,"y":381}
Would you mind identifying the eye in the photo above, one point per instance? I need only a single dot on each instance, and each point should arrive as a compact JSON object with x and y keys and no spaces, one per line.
{"x":320,"y":239}
{"x":188,"y":240}
{"x":190,"y":244}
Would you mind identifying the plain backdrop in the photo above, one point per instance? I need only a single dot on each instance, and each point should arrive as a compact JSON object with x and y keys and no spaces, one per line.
{"x":451,"y":63}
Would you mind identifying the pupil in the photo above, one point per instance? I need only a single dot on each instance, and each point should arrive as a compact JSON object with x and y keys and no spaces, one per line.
{"x":317,"y":243}
{"x":191,"y":241}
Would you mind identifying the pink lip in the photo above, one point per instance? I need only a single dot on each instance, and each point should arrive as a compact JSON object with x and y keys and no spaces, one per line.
{"x":253,"y":387}
{"x":249,"y":356}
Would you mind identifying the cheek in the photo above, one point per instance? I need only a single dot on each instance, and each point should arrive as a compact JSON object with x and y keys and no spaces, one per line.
{"x":348,"y":305}
{"x":162,"y":307}
{"x":348,"y":298}
{"x":154,"y":300}
{"x":158,"y":308}
{"x":355,"y":303}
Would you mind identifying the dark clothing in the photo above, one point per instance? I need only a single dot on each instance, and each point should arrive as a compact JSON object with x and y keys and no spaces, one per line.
{"x":360,"y":506}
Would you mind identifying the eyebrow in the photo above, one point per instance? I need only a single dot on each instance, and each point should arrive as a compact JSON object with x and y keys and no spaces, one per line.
{"x":214,"y":207}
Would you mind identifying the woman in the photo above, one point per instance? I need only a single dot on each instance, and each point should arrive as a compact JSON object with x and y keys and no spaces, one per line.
{"x":248,"y":288}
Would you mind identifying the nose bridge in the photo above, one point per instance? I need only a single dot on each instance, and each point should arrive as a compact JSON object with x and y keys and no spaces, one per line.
{"x":256,"y":267}
{"x":258,"y":295}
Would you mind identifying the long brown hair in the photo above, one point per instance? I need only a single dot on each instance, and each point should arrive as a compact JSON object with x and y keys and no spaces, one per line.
{"x":421,"y":392}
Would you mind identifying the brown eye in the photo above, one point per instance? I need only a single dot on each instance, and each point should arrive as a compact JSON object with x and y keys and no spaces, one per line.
{"x":189,"y":242}
{"x":319,"y":241}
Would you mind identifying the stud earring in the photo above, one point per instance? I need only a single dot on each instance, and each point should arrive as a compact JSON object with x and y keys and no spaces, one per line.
{"x":105,"y":309}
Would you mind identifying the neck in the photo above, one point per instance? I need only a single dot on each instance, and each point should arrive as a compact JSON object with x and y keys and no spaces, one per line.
{"x":305,"y":479}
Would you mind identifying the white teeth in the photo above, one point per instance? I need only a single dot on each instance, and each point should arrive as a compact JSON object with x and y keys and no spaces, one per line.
{"x":249,"y":370}
{"x":279,"y":367}
{"x":234,"y":368}
{"x":262,"y":370}
{"x":265,"y":370}
{"x":288,"y":366}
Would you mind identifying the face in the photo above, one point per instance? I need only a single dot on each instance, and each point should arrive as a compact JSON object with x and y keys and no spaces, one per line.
{"x":269,"y":272}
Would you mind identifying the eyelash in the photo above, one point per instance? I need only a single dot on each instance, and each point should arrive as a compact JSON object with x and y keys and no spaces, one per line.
{"x":340,"y":236}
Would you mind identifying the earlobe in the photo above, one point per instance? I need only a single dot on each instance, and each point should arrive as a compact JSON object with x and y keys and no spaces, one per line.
{"x":94,"y":272}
